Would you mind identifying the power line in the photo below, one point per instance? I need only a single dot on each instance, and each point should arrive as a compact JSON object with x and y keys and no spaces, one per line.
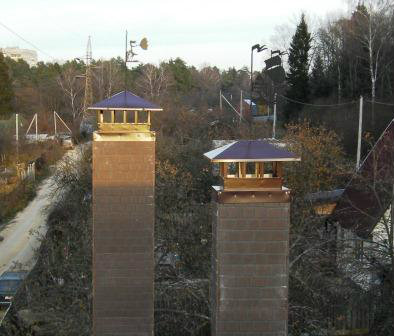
{"x":332,"y":105}
{"x":379,"y":103}
{"x":26,"y":41}
{"x":317,"y":105}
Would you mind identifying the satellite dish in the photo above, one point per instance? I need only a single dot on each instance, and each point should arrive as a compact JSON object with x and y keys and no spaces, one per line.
{"x":144,"y":43}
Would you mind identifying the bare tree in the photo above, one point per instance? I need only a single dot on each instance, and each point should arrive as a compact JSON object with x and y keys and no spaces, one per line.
{"x":331,"y":45}
{"x":374,"y":30}
{"x":153,"y":81}
{"x":108,"y":77}
{"x":72,"y":88}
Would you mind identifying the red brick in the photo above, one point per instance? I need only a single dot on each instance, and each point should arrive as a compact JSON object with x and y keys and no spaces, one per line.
{"x":123,"y":229}
{"x":250,"y":269}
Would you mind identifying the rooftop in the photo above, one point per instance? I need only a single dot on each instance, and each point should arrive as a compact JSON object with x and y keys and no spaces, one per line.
{"x":13,"y":275}
{"x":368,"y":195}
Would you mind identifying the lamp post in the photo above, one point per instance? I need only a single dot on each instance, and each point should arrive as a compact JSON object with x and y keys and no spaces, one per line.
{"x":259,"y":48}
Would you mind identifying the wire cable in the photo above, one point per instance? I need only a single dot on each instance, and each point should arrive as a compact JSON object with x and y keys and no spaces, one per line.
{"x":26,"y":41}
{"x":317,"y":105}
{"x":379,"y":103}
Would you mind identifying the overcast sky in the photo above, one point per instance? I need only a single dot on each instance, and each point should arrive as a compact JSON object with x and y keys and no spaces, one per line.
{"x":215,"y":32}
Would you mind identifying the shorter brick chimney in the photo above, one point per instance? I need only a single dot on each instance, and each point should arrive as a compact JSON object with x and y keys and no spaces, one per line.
{"x":250,"y":240}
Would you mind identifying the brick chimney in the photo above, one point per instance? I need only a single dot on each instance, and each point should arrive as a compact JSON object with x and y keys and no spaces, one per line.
{"x":123,"y":217}
{"x":249,"y":287}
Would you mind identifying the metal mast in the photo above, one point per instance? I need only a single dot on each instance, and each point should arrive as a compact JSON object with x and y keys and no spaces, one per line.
{"x":88,"y":99}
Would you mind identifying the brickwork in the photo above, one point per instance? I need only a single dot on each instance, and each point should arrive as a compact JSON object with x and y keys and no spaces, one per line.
{"x":123,"y":227}
{"x":250,"y":269}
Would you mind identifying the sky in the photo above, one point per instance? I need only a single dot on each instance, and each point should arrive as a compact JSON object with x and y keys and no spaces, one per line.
{"x":204,"y":32}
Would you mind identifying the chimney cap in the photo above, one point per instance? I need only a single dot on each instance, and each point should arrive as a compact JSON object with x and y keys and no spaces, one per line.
{"x":125,"y":100}
{"x":250,"y":151}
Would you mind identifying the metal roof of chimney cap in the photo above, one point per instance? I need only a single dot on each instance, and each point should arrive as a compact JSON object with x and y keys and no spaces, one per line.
{"x":250,"y":151}
{"x":251,"y":165}
{"x":124,"y":112}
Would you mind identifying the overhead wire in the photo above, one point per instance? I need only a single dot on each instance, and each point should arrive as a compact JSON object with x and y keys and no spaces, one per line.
{"x":280,"y":95}
{"x":332,"y":105}
{"x":316,"y":105}
{"x":26,"y":41}
{"x":379,"y":103}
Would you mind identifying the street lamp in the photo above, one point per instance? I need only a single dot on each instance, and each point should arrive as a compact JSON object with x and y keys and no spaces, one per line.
{"x":259,"y":48}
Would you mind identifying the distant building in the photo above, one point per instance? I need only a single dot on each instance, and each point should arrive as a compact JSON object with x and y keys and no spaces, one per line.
{"x":15,"y":53}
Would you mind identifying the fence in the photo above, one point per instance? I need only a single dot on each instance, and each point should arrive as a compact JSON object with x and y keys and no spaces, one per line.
{"x":28,"y":171}
{"x":353,"y":321}
{"x":4,"y":309}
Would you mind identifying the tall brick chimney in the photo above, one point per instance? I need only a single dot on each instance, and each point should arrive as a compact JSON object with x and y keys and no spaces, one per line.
{"x":250,"y":240}
{"x":123,"y":217}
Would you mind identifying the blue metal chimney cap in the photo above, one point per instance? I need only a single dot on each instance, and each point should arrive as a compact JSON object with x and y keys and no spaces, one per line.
{"x":125,"y":100}
{"x":250,"y":151}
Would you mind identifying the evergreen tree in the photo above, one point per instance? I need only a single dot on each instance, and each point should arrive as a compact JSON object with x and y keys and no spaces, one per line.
{"x":182,"y":76}
{"x":298,"y":77}
{"x":6,"y":92}
{"x":319,"y":84}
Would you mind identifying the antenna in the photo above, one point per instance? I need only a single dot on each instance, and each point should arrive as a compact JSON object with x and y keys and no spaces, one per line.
{"x":88,"y":98}
{"x":129,"y":55}
{"x":125,"y":67}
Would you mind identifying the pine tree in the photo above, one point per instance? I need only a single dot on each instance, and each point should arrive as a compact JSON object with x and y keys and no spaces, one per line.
{"x":298,"y":77}
{"x":6,"y":92}
{"x":319,"y":84}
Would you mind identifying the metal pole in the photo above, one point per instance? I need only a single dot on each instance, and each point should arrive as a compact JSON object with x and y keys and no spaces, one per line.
{"x":125,"y":66}
{"x":65,"y":125}
{"x":360,"y":126}
{"x":241,"y":106}
{"x":16,"y":128}
{"x":36,"y":127}
{"x":274,"y":123}
{"x":251,"y":79}
{"x":234,"y":109}
{"x":54,"y":120}
{"x":17,"y":137}
{"x":220,"y":100}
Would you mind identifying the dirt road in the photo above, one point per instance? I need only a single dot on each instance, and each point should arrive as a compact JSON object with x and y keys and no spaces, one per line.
{"x":23,"y":235}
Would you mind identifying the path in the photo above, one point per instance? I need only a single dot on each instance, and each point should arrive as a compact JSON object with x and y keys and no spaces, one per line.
{"x":22,"y":236}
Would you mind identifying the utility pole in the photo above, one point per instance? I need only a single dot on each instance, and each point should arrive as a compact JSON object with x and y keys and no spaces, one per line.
{"x":241,"y":107}
{"x":125,"y":65}
{"x":88,"y":97}
{"x":17,"y":136}
{"x":54,"y":121}
{"x":220,"y":100}
{"x":274,"y":123}
{"x":36,"y":127}
{"x":55,"y":115}
{"x":360,"y":126}
{"x":34,"y":120}
{"x":16,"y":128}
